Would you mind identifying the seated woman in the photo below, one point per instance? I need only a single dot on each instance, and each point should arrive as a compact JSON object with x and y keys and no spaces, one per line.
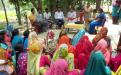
{"x":116,"y":62}
{"x":7,"y":41}
{"x":96,"y":65}
{"x":60,"y":67}
{"x":64,"y":39}
{"x":82,"y":52}
{"x":62,"y":52}
{"x":50,"y":43}
{"x":99,"y":21}
{"x":77,"y":37}
{"x":4,"y":66}
{"x":103,"y":43}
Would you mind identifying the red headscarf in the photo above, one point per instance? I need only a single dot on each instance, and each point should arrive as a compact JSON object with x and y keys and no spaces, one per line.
{"x":66,"y":40}
{"x":82,"y":52}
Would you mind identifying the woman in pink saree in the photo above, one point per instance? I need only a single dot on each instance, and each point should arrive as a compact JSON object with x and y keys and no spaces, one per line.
{"x":103,"y":47}
{"x":116,"y":62}
{"x":82,"y":52}
{"x":60,"y":67}
{"x":103,"y":43}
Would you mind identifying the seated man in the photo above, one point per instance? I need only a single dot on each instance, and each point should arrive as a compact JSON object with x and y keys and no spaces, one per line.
{"x":59,"y":16}
{"x":71,"y":16}
{"x":48,"y":17}
{"x":34,"y":23}
{"x":99,"y":21}
{"x":41,"y":22}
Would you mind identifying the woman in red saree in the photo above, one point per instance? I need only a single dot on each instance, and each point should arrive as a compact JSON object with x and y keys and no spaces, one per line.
{"x":116,"y":62}
{"x":64,"y":39}
{"x":82,"y":52}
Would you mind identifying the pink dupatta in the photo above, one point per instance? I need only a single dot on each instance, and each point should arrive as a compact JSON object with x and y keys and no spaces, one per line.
{"x":58,"y":68}
{"x":103,"y":47}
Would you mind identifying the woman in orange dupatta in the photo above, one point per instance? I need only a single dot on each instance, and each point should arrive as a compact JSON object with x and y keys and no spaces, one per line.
{"x":64,"y":39}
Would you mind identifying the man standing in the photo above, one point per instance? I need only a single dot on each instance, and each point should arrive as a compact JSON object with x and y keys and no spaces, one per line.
{"x":87,"y":14}
{"x":59,"y":16}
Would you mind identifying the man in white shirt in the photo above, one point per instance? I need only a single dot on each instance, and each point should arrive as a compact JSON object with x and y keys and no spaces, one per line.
{"x":59,"y":16}
{"x":48,"y":18}
{"x":72,"y":16}
{"x":47,"y":14}
{"x":41,"y":22}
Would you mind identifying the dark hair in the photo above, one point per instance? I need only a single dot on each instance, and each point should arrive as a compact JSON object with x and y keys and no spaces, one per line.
{"x":58,"y":7}
{"x":101,"y":10}
{"x":63,"y":32}
{"x":2,"y":32}
{"x":19,"y":47}
{"x":1,"y":39}
{"x":32,"y":9}
{"x":88,"y":3}
{"x":46,"y":9}
{"x":14,"y":32}
{"x":26,"y":33}
{"x":94,"y":11}
{"x":81,"y":9}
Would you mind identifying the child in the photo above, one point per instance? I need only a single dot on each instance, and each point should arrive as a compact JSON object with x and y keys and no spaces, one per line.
{"x":21,"y":58}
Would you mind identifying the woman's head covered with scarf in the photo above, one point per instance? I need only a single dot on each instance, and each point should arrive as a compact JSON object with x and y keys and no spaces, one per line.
{"x":34,"y":43}
{"x":77,"y":37}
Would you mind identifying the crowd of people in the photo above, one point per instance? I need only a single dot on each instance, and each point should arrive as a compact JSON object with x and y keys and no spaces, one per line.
{"x":29,"y":54}
{"x":42,"y":22}
{"x":91,"y":18}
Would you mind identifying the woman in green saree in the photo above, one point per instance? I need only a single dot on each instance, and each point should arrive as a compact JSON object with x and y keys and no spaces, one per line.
{"x":97,"y":65}
{"x":62,"y":52}
{"x":35,"y":49}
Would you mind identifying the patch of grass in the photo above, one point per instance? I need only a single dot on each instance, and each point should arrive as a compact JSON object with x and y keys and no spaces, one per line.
{"x":2,"y":26}
{"x":9,"y":14}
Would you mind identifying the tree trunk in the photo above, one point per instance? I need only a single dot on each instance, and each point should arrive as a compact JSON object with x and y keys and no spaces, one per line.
{"x":5,"y":12}
{"x":98,"y":3}
{"x":40,"y":4}
{"x":18,"y":12}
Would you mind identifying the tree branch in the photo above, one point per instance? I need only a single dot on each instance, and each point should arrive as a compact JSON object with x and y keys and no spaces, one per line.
{"x":34,"y":4}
